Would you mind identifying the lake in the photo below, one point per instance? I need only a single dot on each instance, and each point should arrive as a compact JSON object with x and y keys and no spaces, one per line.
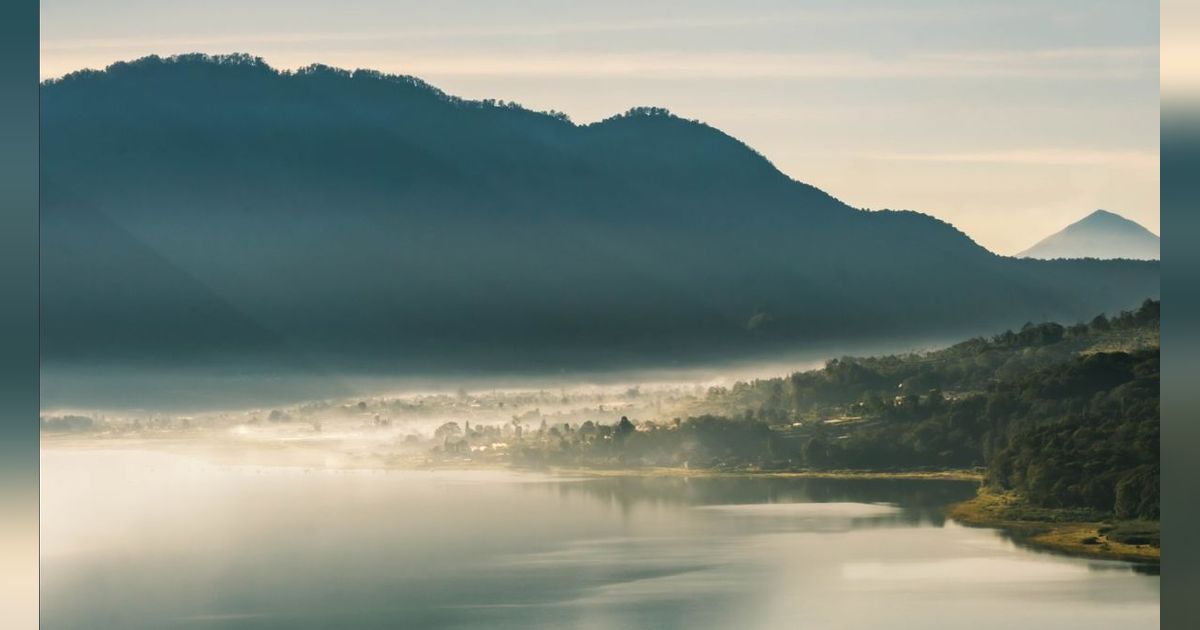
{"x":147,"y":539}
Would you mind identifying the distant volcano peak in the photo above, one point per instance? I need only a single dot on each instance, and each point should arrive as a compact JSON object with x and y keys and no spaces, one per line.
{"x":1101,"y":234}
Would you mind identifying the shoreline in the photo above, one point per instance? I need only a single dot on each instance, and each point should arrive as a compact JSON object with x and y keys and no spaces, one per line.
{"x":668,"y":471}
{"x":1082,"y":538}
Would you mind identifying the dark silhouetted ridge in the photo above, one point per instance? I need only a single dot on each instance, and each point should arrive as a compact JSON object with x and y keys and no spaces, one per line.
{"x":371,"y":221}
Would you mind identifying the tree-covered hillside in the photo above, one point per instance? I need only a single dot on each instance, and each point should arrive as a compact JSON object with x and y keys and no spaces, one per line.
{"x":1064,"y":416}
{"x":213,"y":210}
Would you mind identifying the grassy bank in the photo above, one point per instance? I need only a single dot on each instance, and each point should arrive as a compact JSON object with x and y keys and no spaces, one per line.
{"x":1076,"y":532}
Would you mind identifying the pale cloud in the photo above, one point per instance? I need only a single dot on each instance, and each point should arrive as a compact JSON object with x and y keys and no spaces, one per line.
{"x":526,"y":29}
{"x":1062,"y":64}
{"x":1073,"y":64}
{"x":1040,"y":157}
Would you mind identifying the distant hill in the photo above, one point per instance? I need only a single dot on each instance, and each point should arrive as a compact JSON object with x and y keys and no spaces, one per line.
{"x":1101,"y":234}
{"x":208,"y":210}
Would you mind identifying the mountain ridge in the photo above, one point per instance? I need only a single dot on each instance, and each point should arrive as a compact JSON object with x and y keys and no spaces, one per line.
{"x":370,"y":219}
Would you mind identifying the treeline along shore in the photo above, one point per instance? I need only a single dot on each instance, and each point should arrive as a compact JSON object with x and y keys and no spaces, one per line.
{"x":1060,"y":423}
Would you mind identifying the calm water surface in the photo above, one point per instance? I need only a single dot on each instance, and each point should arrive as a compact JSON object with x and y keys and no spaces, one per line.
{"x":138,"y":539}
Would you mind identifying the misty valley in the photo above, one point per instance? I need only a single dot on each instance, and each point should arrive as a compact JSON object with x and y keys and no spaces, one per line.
{"x":327,"y":348}
{"x":1019,"y":465}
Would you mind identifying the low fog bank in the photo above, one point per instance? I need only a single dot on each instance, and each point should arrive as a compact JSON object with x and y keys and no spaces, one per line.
{"x":166,"y":388}
{"x":309,"y":418}
{"x":393,"y":430}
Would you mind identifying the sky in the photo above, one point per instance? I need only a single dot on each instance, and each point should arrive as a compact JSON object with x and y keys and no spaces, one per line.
{"x":1009,"y":120}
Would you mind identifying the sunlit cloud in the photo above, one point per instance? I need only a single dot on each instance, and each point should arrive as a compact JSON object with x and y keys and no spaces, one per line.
{"x":1062,"y":64}
{"x":1059,"y":64}
{"x":526,"y":29}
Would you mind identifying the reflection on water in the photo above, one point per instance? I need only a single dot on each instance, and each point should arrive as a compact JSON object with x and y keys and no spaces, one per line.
{"x":923,"y":501}
{"x":149,"y":540}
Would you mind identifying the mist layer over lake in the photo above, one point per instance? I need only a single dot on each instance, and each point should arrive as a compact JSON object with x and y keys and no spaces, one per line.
{"x":147,"y":539}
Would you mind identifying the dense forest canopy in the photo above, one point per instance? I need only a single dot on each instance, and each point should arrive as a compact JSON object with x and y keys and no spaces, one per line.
{"x":1067,"y":416}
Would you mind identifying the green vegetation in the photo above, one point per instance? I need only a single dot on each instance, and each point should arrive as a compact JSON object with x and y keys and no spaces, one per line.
{"x":1084,"y":434}
{"x":471,"y":237}
{"x":1060,"y":421}
{"x":1065,"y":417}
{"x":1079,"y":531}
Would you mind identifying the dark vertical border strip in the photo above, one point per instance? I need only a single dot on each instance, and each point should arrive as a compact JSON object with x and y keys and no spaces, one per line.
{"x":18,"y":314}
{"x":1180,"y":172}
